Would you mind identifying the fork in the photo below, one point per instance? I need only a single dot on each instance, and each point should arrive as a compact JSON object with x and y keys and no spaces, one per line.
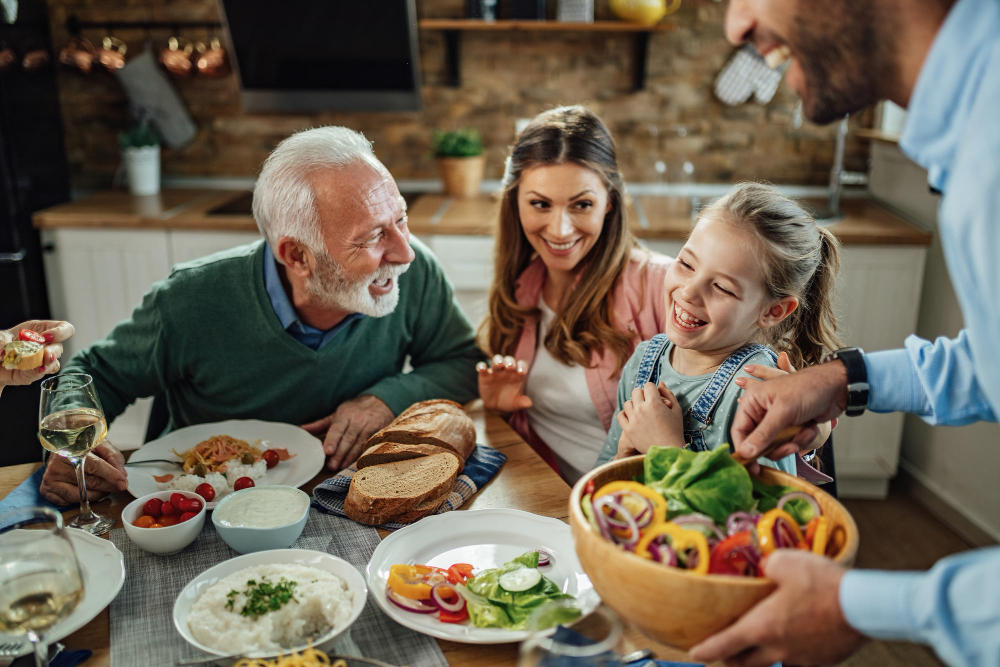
{"x":139,"y":463}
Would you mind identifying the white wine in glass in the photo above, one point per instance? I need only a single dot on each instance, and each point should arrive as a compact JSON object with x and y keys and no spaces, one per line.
{"x":71,"y":424}
{"x":40,"y":578}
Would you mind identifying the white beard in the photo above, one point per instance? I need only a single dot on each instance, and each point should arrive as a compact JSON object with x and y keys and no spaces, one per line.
{"x":331,"y":287}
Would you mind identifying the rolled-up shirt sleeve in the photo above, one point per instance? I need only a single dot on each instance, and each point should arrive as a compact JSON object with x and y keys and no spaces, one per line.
{"x":936,"y":381}
{"x":954,"y":607}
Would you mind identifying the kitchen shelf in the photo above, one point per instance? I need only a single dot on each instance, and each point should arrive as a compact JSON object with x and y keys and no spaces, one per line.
{"x":453,"y":28}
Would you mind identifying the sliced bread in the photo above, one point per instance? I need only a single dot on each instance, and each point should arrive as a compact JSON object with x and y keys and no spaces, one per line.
{"x":423,"y":509}
{"x":380,"y":492}
{"x":389,"y":452}
{"x":438,"y":422}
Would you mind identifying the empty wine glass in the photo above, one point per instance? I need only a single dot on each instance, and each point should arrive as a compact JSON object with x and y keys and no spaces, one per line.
{"x":71,"y":423}
{"x":591,"y":642}
{"x":40,"y":579}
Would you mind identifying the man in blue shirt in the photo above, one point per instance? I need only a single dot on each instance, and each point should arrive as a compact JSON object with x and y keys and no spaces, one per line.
{"x":941,"y":59}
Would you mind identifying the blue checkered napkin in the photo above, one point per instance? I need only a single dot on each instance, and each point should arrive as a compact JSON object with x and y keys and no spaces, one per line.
{"x":480,"y":468}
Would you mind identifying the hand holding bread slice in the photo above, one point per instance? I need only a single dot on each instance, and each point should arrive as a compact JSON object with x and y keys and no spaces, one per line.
{"x":410,"y":466}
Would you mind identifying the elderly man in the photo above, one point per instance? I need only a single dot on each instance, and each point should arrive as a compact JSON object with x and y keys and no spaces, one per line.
{"x":311,"y":326}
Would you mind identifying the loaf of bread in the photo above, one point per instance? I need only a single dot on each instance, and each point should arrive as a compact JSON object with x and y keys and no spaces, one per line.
{"x":390,"y":452}
{"x":384,"y":492}
{"x":438,"y":422}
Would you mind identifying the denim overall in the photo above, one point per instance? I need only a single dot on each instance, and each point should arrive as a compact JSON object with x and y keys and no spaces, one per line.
{"x":705,"y":405}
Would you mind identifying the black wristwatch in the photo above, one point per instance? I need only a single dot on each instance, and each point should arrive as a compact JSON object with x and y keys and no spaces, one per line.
{"x":857,"y":379}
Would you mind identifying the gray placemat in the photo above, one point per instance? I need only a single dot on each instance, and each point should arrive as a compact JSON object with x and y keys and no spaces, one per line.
{"x":142,"y":627}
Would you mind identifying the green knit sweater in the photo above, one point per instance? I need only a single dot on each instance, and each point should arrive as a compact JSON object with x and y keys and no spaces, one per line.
{"x":208,"y":338}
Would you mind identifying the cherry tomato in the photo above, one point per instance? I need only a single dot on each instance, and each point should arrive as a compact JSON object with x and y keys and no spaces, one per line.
{"x":31,"y":336}
{"x":242,"y":483}
{"x":270,"y":458}
{"x":454,"y":617}
{"x":145,"y":521}
{"x":728,"y":556}
{"x":191,"y":505}
{"x":166,"y":521}
{"x":157,"y":525}
{"x":152,"y":507}
{"x":187,"y":515}
{"x":177,"y":499}
{"x":206,"y":491}
{"x":168,"y":509}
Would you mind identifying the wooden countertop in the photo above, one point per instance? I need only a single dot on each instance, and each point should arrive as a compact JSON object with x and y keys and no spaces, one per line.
{"x":865,"y":223}
{"x":525,"y":482}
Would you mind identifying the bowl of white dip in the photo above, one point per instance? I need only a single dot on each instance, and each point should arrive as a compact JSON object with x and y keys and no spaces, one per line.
{"x":261,"y":517}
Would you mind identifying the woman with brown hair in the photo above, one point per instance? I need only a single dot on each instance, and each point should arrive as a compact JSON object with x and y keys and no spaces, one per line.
{"x":572,"y":295}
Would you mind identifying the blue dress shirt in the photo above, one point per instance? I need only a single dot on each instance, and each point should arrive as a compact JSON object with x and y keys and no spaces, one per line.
{"x":953,"y":130}
{"x":309,"y":336}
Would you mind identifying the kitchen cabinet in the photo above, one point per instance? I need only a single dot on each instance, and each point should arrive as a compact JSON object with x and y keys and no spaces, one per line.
{"x":96,"y":277}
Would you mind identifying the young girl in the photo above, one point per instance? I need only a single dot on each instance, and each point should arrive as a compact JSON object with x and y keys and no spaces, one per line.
{"x":755,"y":278}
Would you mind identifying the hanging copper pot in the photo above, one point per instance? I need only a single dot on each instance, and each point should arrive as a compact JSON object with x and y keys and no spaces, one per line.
{"x":35,"y":59}
{"x":7,"y":58}
{"x":212,"y":60}
{"x":176,"y":57}
{"x":78,"y":54}
{"x":112,"y":53}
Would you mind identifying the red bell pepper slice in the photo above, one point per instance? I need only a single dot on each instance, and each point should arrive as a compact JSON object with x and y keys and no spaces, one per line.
{"x":459,"y":573}
{"x":727,"y":556}
{"x":454,"y":617}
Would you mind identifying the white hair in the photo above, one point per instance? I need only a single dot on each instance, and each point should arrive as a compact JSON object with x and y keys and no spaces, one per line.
{"x":283,"y":200}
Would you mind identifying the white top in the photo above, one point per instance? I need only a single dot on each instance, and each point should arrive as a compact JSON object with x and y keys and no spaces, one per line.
{"x":563,"y":412}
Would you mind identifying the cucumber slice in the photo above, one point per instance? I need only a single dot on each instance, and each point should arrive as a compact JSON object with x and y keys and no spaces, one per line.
{"x":520,"y":580}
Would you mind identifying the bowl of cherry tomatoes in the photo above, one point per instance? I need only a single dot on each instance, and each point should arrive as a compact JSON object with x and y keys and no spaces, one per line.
{"x":164,"y":522}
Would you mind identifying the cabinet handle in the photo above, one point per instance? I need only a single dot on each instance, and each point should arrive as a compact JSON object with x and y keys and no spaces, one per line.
{"x":13,"y":257}
{"x":48,"y":247}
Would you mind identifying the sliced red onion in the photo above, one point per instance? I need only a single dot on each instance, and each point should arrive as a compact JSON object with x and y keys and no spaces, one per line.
{"x":543,"y":558}
{"x":691,"y":561}
{"x":668,"y":556}
{"x":654,"y":551}
{"x":609,"y":502}
{"x":646,"y":515}
{"x":602,"y":521}
{"x":416,"y":606}
{"x":737,"y":522}
{"x":696,"y":519}
{"x":800,"y":495}
{"x":783,"y":535}
{"x":439,"y":600}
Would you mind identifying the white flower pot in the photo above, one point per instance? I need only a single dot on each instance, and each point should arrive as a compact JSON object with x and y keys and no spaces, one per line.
{"x":143,"y":168}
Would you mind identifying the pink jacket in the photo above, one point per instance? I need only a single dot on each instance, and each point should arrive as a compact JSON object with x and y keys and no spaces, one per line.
{"x":638,"y":309}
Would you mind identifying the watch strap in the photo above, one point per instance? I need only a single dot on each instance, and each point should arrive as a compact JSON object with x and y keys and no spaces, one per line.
{"x":857,"y":379}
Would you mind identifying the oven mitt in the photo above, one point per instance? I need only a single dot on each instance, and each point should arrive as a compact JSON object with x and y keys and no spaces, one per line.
{"x":147,"y":87}
{"x":747,"y":74}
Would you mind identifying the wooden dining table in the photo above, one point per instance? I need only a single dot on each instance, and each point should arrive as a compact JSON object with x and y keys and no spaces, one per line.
{"x":525,"y":482}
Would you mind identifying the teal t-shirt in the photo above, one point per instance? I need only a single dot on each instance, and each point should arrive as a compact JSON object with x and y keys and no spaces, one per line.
{"x":687,"y":388}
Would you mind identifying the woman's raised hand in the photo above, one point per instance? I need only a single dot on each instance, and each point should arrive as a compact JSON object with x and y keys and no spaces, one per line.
{"x":501,"y":384}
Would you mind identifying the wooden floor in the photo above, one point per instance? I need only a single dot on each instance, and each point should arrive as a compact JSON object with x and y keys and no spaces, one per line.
{"x":899,"y":534}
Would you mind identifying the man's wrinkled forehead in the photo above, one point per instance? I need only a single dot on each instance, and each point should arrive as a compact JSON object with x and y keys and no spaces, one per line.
{"x":359,"y":193}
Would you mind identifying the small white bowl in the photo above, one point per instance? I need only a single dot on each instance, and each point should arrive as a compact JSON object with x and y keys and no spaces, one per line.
{"x":318,"y":559}
{"x":245,"y":539}
{"x":169,"y":539}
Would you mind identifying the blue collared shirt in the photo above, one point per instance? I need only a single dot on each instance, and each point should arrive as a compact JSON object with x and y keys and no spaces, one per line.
{"x":309,"y":336}
{"x":953,"y":130}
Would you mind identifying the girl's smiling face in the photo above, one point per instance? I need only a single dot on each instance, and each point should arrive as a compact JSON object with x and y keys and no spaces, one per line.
{"x":562,"y":209}
{"x":716,"y":294}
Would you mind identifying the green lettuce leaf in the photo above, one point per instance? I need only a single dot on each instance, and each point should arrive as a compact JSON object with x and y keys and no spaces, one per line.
{"x":768,"y":495}
{"x":708,"y":482}
{"x":491,"y":606}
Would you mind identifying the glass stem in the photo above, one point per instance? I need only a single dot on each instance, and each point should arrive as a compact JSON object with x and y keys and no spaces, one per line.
{"x":81,"y":482}
{"x":41,"y":649}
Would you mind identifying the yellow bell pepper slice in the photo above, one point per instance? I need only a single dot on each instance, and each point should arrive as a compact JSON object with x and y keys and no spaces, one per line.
{"x":681,"y":539}
{"x":765,"y":529}
{"x":659,"y":502}
{"x":407,"y":580}
{"x":818,"y":534}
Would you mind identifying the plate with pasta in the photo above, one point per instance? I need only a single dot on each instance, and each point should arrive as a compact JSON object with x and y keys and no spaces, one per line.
{"x":215,"y":459}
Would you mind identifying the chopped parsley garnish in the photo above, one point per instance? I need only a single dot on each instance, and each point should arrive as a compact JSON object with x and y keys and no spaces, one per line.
{"x":263,"y":597}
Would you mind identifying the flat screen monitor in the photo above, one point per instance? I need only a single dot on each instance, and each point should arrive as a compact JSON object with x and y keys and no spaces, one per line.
{"x":325,"y":55}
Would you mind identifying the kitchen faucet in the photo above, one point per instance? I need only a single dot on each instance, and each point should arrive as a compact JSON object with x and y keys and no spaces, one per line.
{"x":838,"y":177}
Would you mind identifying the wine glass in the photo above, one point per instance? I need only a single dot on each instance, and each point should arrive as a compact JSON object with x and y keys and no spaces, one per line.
{"x":591,"y":642}
{"x":40,"y":578}
{"x":71,"y":423}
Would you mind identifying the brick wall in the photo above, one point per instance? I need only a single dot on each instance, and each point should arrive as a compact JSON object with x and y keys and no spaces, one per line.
{"x":676,"y":119}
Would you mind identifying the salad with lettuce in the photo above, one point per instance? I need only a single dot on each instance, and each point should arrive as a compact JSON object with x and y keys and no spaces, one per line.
{"x":502,"y":597}
{"x":703,"y":512}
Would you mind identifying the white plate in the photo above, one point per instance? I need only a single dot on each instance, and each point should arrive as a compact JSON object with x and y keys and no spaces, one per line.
{"x":318,"y":559}
{"x":103,"y":569}
{"x":306,"y":464}
{"x":486,"y":539}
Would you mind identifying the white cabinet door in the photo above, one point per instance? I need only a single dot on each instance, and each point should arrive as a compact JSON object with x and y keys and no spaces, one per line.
{"x":96,"y":277}
{"x":468,"y":263}
{"x":186,"y":245}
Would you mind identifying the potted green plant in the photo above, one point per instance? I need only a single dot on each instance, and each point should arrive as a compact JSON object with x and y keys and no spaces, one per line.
{"x":461,"y":161}
{"x":140,"y":146}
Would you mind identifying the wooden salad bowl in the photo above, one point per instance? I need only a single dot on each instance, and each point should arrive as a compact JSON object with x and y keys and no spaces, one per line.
{"x":673,"y":606}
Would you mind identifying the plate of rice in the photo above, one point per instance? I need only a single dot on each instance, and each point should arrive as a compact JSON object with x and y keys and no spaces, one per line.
{"x":270,"y":602}
{"x":227,"y":451}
